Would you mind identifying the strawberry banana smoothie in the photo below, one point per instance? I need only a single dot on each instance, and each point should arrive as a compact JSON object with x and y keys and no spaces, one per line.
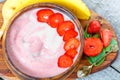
{"x":35,"y":48}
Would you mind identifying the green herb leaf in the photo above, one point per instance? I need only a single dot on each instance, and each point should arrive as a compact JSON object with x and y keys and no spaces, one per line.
{"x":113,"y":47}
{"x":94,"y":59}
{"x":86,"y":35}
{"x":96,"y":35}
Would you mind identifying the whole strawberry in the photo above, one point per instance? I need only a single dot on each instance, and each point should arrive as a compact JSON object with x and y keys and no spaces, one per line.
{"x":106,"y":36}
{"x":94,"y":27}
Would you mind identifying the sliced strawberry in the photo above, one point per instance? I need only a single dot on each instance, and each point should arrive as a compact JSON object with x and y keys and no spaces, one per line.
{"x":92,"y":46}
{"x":106,"y":36}
{"x":43,"y":15}
{"x":72,"y":43}
{"x":63,"y":27}
{"x":65,"y":61}
{"x":70,"y":34}
{"x":71,"y":52}
{"x":55,"y":19}
{"x":94,"y":26}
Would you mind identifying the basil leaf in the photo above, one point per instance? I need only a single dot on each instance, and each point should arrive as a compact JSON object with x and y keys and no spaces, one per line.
{"x":94,"y":59}
{"x":113,"y":47}
{"x":96,"y":35}
{"x":86,"y":35}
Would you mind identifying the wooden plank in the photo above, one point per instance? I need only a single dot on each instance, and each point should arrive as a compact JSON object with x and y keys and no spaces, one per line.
{"x":6,"y":71}
{"x":1,"y":18}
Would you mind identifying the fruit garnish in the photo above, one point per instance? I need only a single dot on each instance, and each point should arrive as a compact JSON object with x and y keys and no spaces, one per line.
{"x":63,"y":27}
{"x":69,"y":34}
{"x":98,"y":42}
{"x":55,"y":19}
{"x":106,"y":36}
{"x":72,"y":43}
{"x":43,"y":15}
{"x":64,"y":61}
{"x":94,"y":26}
{"x":11,"y":7}
{"x":71,"y":52}
{"x":113,"y":47}
{"x":92,"y":46}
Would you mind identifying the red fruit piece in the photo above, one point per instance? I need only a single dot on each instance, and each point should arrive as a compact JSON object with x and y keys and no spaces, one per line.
{"x":92,"y":46}
{"x":65,"y":61}
{"x":63,"y":27}
{"x":106,"y":36}
{"x":55,"y":19}
{"x":71,"y":52}
{"x":72,"y":43}
{"x":94,"y":27}
{"x":70,"y":34}
{"x":43,"y":15}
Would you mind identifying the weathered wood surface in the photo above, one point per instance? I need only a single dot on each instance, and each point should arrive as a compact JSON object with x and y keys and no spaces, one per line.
{"x":107,"y":73}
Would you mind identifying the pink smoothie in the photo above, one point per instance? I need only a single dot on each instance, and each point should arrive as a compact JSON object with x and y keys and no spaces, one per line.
{"x":34,"y":47}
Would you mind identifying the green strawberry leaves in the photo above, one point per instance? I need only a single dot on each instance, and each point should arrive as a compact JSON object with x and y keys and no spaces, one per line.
{"x":113,"y":47}
{"x":86,"y":34}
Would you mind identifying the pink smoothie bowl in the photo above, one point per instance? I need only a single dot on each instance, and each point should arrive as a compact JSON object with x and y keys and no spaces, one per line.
{"x":32,"y":48}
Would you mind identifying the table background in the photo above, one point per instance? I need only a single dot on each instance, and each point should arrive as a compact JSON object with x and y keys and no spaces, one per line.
{"x":110,"y":10}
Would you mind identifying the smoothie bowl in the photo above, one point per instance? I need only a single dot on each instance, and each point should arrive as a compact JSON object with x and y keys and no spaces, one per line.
{"x":43,"y":41}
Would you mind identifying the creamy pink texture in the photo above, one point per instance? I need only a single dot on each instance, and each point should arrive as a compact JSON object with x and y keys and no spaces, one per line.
{"x":34,"y":47}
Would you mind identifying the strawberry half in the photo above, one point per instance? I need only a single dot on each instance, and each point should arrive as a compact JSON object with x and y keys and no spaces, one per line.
{"x":92,"y":46}
{"x":71,"y":52}
{"x":69,"y":34}
{"x":72,"y":43}
{"x":94,"y":27}
{"x":63,"y":27}
{"x":65,"y":61}
{"x":43,"y":15}
{"x":106,"y":36}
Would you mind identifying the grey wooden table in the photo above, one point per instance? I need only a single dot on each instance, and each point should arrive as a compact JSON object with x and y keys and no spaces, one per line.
{"x":110,"y":10}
